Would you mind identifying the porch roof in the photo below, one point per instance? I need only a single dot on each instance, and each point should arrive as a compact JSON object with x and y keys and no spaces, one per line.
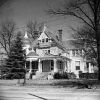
{"x":51,"y":57}
{"x":32,"y":54}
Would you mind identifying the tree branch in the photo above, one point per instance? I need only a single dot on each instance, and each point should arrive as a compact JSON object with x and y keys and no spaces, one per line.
{"x":87,"y":17}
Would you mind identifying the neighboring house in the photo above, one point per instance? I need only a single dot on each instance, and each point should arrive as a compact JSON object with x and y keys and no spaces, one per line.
{"x":48,"y":53}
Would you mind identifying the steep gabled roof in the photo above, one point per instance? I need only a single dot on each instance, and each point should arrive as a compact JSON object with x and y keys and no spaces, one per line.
{"x":54,"y":38}
{"x":35,"y":43}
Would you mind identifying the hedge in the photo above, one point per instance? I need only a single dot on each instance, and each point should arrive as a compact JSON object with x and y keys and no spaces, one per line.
{"x":64,"y":75}
{"x":88,"y":75}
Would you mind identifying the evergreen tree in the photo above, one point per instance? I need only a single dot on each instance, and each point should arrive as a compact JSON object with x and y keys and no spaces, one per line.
{"x":16,"y":59}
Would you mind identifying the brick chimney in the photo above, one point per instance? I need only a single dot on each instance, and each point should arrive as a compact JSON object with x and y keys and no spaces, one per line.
{"x":36,"y":34}
{"x":60,"y":35}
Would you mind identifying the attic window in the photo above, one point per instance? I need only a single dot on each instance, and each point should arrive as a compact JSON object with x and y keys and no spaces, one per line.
{"x":46,"y":39}
{"x":43,"y":40}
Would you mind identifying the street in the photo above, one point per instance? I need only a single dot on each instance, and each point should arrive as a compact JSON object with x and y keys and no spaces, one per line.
{"x":16,"y":92}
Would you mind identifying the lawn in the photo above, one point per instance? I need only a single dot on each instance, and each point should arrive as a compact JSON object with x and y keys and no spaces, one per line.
{"x":57,"y":82}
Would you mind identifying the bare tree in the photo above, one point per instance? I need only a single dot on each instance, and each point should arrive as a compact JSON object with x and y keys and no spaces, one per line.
{"x":87,"y":11}
{"x":85,"y":38}
{"x":34,"y":28}
{"x":7,"y":33}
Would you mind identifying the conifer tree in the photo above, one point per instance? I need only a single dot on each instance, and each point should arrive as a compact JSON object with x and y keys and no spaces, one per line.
{"x":16,"y":59}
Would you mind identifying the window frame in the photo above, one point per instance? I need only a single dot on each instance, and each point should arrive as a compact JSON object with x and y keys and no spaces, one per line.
{"x":43,"y":40}
{"x":46,"y":40}
{"x":77,"y":66}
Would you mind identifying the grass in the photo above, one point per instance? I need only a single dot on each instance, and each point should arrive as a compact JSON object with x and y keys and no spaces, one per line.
{"x":57,"y":82}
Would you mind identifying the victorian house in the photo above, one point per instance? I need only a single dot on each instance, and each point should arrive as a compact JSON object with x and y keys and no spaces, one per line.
{"x":48,"y":53}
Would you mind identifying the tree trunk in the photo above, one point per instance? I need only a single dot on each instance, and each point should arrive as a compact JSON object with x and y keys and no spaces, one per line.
{"x":24,"y":82}
{"x":98,"y":51}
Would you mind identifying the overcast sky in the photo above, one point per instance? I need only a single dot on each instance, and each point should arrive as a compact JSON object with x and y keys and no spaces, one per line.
{"x":22,"y":11}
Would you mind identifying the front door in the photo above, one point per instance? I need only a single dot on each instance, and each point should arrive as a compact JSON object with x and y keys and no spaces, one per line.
{"x":45,"y":66}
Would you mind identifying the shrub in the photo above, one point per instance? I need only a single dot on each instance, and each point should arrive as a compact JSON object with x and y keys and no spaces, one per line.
{"x":71,"y":75}
{"x":8,"y":76}
{"x":88,"y":75}
{"x":57,"y":76}
{"x":60,"y":75}
{"x":13,"y":76}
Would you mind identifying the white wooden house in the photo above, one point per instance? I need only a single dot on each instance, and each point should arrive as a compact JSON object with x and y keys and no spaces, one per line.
{"x":49,"y":53}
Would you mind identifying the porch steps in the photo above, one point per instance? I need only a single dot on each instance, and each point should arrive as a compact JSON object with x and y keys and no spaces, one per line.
{"x":41,"y":76}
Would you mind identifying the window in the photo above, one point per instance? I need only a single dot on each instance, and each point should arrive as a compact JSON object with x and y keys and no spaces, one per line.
{"x":46,"y":39}
{"x":52,"y":64}
{"x":42,"y":40}
{"x":77,"y":67}
{"x":39,"y":41}
{"x":48,"y":51}
{"x":60,"y":64}
{"x":77,"y":64}
{"x":77,"y":52}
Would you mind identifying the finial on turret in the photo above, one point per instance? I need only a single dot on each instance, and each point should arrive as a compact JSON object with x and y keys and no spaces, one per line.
{"x":44,"y":28}
{"x":26,"y":36}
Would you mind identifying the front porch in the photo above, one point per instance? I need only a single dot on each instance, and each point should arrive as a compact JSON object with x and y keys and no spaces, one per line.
{"x":46,"y":64}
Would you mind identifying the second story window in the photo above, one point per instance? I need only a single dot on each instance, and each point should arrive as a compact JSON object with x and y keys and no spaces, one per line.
{"x":77,"y":64}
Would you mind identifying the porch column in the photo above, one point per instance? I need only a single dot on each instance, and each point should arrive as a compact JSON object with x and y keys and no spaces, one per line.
{"x":65,"y":65}
{"x":39,"y":66}
{"x":89,"y":67}
{"x":25,"y":64}
{"x":30,"y":70}
{"x":55,"y":65}
{"x":69,"y":66}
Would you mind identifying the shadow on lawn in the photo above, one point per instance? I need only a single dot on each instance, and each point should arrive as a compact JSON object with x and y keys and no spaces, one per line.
{"x":38,"y":96}
{"x":89,"y":84}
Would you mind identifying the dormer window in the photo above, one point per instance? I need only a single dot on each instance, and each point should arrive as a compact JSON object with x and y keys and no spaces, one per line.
{"x":42,"y":40}
{"x":39,"y":41}
{"x":46,"y":39}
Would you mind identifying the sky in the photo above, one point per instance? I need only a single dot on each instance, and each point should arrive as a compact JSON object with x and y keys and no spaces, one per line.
{"x":23,"y":11}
